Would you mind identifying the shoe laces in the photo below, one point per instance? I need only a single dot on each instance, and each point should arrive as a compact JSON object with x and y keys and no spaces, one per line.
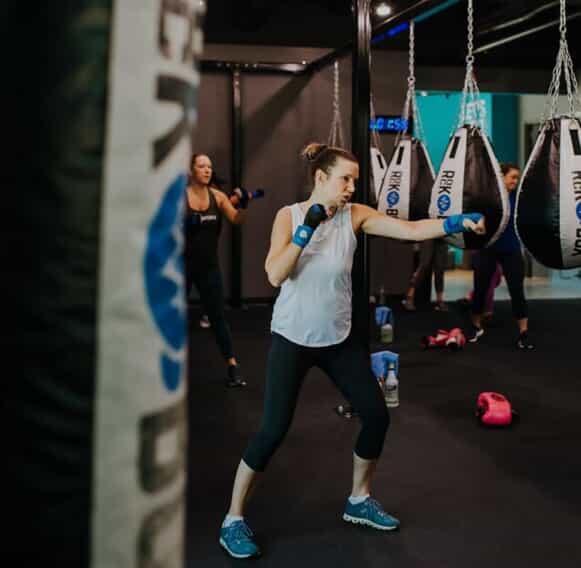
{"x":241,"y":531}
{"x":376,"y":507}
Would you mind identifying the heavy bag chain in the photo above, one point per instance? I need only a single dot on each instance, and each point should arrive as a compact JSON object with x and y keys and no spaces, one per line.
{"x":564,"y":65}
{"x":336,"y":132}
{"x":374,"y":135}
{"x":472,"y":110}
{"x":410,"y":105}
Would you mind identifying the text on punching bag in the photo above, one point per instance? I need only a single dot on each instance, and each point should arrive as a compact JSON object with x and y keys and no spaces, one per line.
{"x":577,"y":194}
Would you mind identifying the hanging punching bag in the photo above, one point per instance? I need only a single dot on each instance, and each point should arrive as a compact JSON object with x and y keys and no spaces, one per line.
{"x":378,"y":171}
{"x":548,"y":208}
{"x":469,"y":181}
{"x":94,"y":420}
{"x":409,"y":178}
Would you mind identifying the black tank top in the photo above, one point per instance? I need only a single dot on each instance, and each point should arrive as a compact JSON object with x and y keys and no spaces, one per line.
{"x":202,"y":229}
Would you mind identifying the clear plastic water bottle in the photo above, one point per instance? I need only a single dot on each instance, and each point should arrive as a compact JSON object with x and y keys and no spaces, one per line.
{"x":386,"y":330}
{"x":386,"y":333}
{"x":381,"y":297}
{"x":391,"y":387}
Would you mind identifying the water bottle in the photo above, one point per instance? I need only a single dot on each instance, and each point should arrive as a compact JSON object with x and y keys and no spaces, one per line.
{"x":386,"y":330}
{"x":386,"y":333}
{"x":391,"y":387}
{"x":381,"y":297}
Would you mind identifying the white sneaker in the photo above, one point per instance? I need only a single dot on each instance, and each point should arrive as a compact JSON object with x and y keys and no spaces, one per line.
{"x":475,"y":334}
{"x":205,"y":322}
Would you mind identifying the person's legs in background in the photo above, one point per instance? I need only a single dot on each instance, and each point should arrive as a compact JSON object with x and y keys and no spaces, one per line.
{"x":439,"y":266}
{"x":513,"y":268}
{"x":422,"y":271}
{"x":483,"y":270}
{"x":210,"y":288}
{"x":495,"y":280}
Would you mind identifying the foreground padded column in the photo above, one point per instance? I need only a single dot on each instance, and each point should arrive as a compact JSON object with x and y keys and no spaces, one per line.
{"x":94,"y":416}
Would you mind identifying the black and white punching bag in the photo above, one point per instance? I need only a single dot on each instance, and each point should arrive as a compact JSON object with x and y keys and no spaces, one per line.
{"x":407,"y":181}
{"x":548,"y":207}
{"x":470,"y":181}
{"x":94,"y":417}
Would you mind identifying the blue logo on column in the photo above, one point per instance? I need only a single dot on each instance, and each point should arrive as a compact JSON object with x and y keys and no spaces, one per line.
{"x":164,"y":280}
{"x":392,"y":198}
{"x":444,"y":203}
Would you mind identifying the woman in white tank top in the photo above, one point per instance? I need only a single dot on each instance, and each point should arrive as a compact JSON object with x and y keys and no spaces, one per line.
{"x":310,"y":258}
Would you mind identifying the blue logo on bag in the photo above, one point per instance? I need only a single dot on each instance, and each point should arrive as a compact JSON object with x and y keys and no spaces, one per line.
{"x":579,"y":211}
{"x":444,"y":203}
{"x":164,"y":280}
{"x":392,"y":198}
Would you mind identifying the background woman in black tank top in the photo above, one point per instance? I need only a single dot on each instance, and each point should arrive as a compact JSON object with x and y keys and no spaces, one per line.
{"x":205,"y":207}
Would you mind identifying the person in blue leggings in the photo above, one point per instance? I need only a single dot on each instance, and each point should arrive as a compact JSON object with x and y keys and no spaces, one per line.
{"x":310,"y":259}
{"x":506,"y":252}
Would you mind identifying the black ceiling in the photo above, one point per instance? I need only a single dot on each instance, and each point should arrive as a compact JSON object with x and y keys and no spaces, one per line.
{"x":440,"y":39}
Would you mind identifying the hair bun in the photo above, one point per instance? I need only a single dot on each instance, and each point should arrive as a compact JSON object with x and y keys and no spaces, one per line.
{"x":313,"y":151}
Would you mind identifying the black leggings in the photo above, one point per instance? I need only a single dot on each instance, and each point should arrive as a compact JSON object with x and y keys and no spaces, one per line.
{"x":349,"y":367}
{"x":433,"y":255}
{"x":211,"y":291}
{"x":513,"y":269}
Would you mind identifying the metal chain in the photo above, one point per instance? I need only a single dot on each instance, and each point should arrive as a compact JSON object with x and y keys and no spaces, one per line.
{"x":410,"y":105}
{"x":374,"y":134}
{"x":469,"y":55}
{"x":410,"y":93}
{"x":412,"y":57}
{"x":336,"y":132}
{"x":565,"y":66}
{"x":470,"y":91}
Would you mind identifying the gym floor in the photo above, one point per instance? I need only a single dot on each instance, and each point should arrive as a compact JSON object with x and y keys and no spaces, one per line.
{"x":466,"y":495}
{"x":558,"y":284}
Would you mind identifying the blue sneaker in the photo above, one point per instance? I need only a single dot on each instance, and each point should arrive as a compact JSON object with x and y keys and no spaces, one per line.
{"x":370,"y":513}
{"x":236,"y":539}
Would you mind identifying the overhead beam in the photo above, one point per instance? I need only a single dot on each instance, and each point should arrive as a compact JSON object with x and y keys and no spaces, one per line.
{"x":210,"y":65}
{"x":402,"y":16}
{"x":521,"y":19}
{"x":514,"y":37}
{"x":419,"y":11}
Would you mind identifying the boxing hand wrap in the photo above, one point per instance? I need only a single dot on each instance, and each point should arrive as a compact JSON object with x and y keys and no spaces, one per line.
{"x":313,"y":218}
{"x":241,"y":200}
{"x":455,"y":223}
{"x":302,"y":236}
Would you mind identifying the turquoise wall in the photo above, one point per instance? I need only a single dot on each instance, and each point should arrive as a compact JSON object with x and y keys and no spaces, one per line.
{"x":505,"y":121}
{"x":439,"y":115}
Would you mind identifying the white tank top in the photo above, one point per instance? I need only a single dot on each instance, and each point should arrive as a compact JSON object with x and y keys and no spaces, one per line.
{"x":314,"y":305}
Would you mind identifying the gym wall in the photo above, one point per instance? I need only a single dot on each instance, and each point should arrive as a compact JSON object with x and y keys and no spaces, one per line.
{"x":281,"y":114}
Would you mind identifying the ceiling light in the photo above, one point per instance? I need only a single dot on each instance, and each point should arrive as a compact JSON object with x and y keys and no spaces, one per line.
{"x":382,"y":10}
